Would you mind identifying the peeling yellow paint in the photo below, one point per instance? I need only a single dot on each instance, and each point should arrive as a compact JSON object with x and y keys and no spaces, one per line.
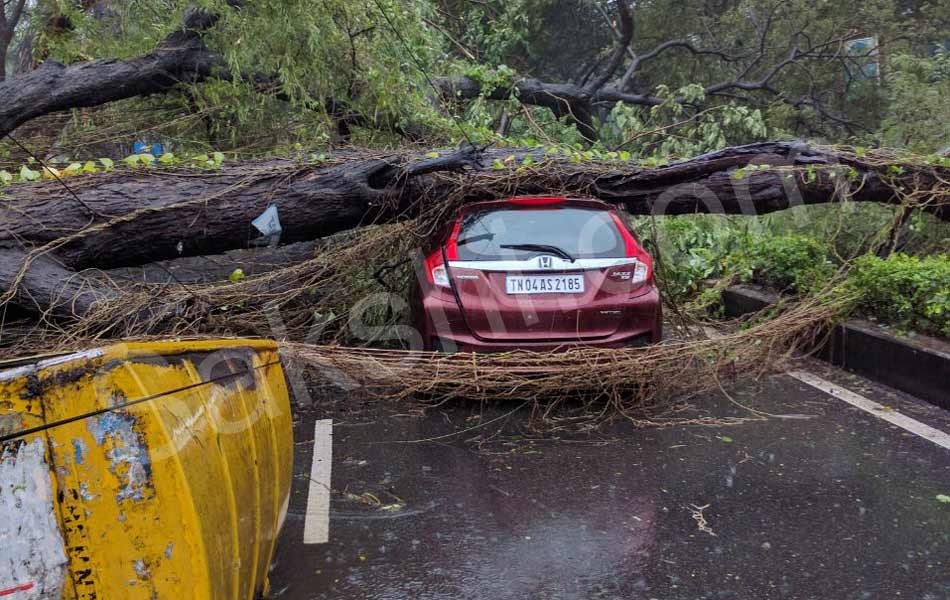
{"x":179,"y":492}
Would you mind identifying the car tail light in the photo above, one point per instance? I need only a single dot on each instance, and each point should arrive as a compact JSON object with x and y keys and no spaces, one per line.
{"x":643,"y":270}
{"x":641,"y":273}
{"x":436,"y":272}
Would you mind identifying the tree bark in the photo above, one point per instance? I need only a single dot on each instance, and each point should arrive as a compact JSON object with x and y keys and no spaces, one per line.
{"x":215,"y":267}
{"x":10,"y":15}
{"x":154,"y":215}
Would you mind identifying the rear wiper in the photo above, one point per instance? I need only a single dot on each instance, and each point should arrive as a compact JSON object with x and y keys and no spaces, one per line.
{"x":540,"y":248}
{"x":474,"y":238}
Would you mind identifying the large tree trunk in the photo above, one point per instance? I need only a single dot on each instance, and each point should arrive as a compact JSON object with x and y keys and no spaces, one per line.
{"x":136,"y":216}
{"x":216,"y":267}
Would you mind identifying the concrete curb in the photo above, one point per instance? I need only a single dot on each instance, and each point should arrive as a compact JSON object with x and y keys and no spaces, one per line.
{"x":919,"y":366}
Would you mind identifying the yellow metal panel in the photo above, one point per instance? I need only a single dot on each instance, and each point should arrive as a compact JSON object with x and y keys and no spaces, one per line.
{"x":180,"y":491}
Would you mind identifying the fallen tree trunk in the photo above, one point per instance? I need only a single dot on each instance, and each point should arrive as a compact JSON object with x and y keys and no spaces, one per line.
{"x":151,"y":215}
{"x":216,"y":267}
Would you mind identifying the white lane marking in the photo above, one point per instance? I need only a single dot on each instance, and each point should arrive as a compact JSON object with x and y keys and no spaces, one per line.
{"x":891,"y":416}
{"x":316,"y":526}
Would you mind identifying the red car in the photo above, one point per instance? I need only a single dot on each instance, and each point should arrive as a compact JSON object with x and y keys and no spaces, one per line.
{"x":539,"y":274}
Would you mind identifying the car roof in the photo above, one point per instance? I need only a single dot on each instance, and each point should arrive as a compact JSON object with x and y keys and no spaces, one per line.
{"x":536,"y":203}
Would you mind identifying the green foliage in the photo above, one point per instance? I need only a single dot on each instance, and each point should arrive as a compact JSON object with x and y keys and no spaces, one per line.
{"x":495,"y":30}
{"x":489,"y":78}
{"x":646,"y":132}
{"x":26,"y":174}
{"x":692,"y":250}
{"x":308,"y":51}
{"x":908,"y":291}
{"x":918,"y":110}
{"x":701,"y":254}
{"x":794,"y":262}
{"x":697,"y":250}
{"x":312,"y":51}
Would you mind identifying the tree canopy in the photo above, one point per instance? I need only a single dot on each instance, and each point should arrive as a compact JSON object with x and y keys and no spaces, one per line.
{"x":583,"y":72}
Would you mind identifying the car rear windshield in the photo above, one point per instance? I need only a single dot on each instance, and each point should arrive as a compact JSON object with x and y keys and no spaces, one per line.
{"x":581,"y":232}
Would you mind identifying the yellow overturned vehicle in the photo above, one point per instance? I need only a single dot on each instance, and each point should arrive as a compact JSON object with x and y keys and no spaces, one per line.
{"x":143,"y":470}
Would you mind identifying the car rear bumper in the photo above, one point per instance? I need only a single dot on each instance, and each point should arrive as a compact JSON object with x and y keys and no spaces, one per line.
{"x":461,"y":343}
{"x":443,"y":327}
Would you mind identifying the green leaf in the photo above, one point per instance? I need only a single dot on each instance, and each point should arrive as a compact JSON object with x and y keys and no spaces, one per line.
{"x":28,"y":174}
{"x":73,"y":168}
{"x":146,"y":159}
{"x":860,"y":151}
{"x":236,"y":275}
{"x":624,"y":155}
{"x":218,"y":157}
{"x":107,"y":163}
{"x":89,"y":167}
{"x":432,"y":155}
{"x":200,"y":158}
{"x":725,"y":439}
{"x":498,"y":165}
{"x":5,"y":177}
{"x":943,"y":498}
{"x":167,"y":158}
{"x":131,"y":160}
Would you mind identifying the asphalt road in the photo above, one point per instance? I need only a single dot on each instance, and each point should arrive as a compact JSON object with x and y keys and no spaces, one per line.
{"x":839,"y":505}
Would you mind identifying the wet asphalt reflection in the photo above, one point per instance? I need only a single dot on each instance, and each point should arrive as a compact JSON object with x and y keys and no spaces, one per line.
{"x":841,"y":505}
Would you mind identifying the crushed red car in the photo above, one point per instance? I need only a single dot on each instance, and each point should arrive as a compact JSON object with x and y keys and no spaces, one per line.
{"x":537,"y":273}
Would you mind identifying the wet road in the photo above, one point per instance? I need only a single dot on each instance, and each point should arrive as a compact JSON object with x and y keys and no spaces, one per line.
{"x":841,"y":505}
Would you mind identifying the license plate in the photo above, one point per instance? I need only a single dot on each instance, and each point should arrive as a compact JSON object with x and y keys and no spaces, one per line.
{"x":544,"y":284}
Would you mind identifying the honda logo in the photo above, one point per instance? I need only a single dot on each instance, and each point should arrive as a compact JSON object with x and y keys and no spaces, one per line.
{"x":545,"y":262}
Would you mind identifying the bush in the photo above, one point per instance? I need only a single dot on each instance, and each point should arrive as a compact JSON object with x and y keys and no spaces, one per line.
{"x":693,"y":249}
{"x":904,"y":290}
{"x":907,"y":291}
{"x":793,"y":262}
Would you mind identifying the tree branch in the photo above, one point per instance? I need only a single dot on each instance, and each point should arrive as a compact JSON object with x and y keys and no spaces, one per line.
{"x":17,"y":13}
{"x":616,"y":58}
{"x":181,"y":57}
{"x":660,"y":49}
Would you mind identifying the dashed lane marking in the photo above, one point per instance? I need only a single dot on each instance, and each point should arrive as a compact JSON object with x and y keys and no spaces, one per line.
{"x":316,"y":527}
